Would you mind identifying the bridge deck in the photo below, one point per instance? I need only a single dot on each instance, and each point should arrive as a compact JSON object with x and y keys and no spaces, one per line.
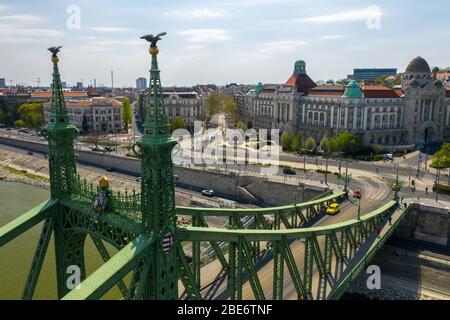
{"x":214,"y":280}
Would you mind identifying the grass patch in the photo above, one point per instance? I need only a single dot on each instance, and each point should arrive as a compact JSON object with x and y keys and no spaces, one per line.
{"x":24,"y":173}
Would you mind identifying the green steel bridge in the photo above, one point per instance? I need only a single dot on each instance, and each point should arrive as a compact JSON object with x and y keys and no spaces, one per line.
{"x":270,"y":253}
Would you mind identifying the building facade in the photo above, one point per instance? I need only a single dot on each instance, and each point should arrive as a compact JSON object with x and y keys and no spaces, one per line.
{"x":141,"y":84}
{"x":179,"y":102}
{"x":91,"y":115}
{"x":373,"y":74}
{"x":418,"y":113}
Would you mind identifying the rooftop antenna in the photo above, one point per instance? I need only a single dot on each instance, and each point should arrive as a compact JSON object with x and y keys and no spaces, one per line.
{"x":112,"y":79}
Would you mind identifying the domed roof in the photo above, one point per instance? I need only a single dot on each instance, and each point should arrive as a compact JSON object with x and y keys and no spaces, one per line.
{"x":300,"y":67}
{"x":353,"y":91}
{"x":259,"y":88}
{"x":418,"y":65}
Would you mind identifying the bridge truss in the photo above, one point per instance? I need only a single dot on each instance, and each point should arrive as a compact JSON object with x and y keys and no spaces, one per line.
{"x":270,"y":253}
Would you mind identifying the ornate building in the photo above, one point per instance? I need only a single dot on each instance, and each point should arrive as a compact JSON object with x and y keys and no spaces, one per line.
{"x":93,"y":115}
{"x":418,"y":113}
{"x":179,"y":102}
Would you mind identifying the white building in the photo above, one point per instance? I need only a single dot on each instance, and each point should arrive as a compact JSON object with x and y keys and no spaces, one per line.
{"x":418,"y":113}
{"x":94,"y":114}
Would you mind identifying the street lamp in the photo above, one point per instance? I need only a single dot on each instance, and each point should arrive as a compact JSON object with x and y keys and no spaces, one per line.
{"x":346,"y":177}
{"x":397,"y":186}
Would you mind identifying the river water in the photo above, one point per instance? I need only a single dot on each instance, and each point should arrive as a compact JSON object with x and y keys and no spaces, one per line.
{"x":16,"y":256}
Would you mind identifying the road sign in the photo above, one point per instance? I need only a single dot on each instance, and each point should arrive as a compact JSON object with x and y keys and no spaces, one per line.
{"x":167,"y":243}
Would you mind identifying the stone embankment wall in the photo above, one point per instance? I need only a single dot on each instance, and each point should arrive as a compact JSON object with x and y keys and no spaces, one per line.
{"x":247,"y":188}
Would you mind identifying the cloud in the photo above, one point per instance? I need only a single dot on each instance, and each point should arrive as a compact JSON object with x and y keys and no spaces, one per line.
{"x":196,"y":13}
{"x":195,"y":47}
{"x":205,"y":35}
{"x":109,"y":29}
{"x":283,"y":46}
{"x":351,"y":15}
{"x":3,"y":7}
{"x":21,"y":18}
{"x":331,"y":37}
{"x":12,"y":34}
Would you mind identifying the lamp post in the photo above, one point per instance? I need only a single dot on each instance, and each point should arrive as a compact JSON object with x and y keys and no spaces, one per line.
{"x":326,"y":171}
{"x":346,"y":177}
{"x":438,"y":173}
{"x":397,"y":186}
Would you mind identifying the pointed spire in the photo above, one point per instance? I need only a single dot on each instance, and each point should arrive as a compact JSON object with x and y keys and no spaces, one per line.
{"x":156,"y":122}
{"x":58,"y":113}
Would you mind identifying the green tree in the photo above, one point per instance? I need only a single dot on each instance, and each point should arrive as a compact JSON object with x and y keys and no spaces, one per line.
{"x":19,"y":123}
{"x":325,"y":145}
{"x":286,"y":141}
{"x":296,"y":144}
{"x":347,"y":142}
{"x":32,"y":115}
{"x":310,"y":144}
{"x":127,"y":113}
{"x":4,"y":117}
{"x":441,"y":159}
{"x":178,"y":123}
{"x":217,"y":102}
{"x":241,"y":126}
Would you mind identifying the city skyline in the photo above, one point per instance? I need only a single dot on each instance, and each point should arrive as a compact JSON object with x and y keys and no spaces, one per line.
{"x":221,"y":42}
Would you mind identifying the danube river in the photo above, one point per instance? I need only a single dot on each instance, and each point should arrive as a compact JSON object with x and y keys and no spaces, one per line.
{"x":16,"y":256}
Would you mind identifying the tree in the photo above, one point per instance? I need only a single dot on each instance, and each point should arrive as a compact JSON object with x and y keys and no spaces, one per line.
{"x":127,"y":113}
{"x":177,"y":123}
{"x":286,"y":141}
{"x":217,"y":102}
{"x":441,"y":159}
{"x":347,"y":142}
{"x":310,"y":144}
{"x":296,"y":144}
{"x":19,"y":123}
{"x":325,"y":145}
{"x":241,"y":126}
{"x":32,"y":115}
{"x":4,"y":117}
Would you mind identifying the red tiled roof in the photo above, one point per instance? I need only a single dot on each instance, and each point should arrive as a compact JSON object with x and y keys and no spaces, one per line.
{"x":377,"y":91}
{"x":302,"y":81}
{"x":327,"y":91}
{"x":67,"y":94}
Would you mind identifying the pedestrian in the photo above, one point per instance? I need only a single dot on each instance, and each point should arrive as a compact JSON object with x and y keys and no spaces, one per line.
{"x":390,"y":220}
{"x":378,"y":232}
{"x":426,"y":190}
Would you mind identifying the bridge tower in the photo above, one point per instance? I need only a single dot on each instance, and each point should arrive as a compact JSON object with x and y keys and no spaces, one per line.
{"x":158,"y":189}
{"x":69,"y":246}
{"x":60,"y":135}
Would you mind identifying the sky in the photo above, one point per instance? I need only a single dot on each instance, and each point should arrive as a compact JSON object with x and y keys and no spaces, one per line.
{"x":221,"y":41}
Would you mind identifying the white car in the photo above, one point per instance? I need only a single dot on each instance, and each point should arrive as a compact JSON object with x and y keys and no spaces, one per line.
{"x":208,"y":193}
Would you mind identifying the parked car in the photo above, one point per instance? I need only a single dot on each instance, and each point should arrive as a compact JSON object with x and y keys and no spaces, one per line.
{"x":289,"y":171}
{"x":30,"y":153}
{"x":208,"y":193}
{"x":109,"y":169}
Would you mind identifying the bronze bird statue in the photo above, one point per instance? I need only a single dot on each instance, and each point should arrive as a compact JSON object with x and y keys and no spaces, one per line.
{"x":153,"y":39}
{"x":54,"y":50}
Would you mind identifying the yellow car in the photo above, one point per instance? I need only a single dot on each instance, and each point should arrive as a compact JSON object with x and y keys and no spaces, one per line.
{"x":333,"y":209}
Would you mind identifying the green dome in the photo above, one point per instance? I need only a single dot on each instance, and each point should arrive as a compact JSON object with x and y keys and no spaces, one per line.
{"x":258,"y":88}
{"x":300,"y":67}
{"x":353,"y":91}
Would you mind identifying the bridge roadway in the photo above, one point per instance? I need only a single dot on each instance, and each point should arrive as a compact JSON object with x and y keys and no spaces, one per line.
{"x":213,"y":279}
